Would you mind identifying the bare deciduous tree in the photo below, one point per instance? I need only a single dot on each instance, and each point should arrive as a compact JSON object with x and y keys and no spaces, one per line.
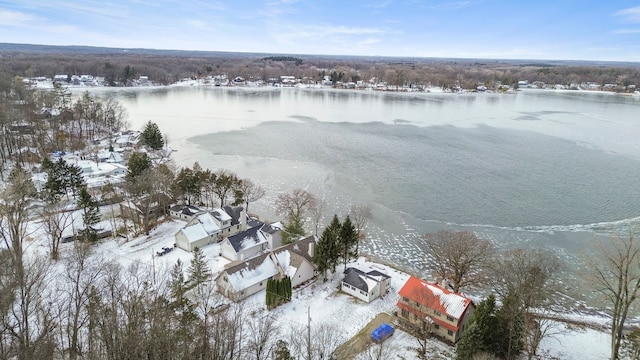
{"x":520,"y":275}
{"x":459,"y":257}
{"x":317,"y":212}
{"x":55,"y":220}
{"x":250,"y":192}
{"x":295,"y":206}
{"x":262,"y":335}
{"x":81,"y":274}
{"x":360,"y":215}
{"x":617,"y":278}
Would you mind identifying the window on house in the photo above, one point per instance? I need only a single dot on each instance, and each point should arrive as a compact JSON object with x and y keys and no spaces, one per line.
{"x":449,"y":318}
{"x":404,"y":313}
{"x":436,"y":326}
{"x":260,"y":283}
{"x":450,"y":332}
{"x":405,"y":299}
{"x":437,"y":313}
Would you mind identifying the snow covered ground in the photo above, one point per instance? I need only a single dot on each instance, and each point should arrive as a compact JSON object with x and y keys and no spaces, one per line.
{"x":320,"y":300}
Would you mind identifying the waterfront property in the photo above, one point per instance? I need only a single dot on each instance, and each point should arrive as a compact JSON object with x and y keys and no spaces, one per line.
{"x":241,"y":279}
{"x":434,"y":309}
{"x":209,"y":227}
{"x":365,"y":284}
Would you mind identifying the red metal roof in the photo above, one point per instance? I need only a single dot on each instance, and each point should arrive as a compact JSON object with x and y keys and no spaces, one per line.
{"x":434,"y":297}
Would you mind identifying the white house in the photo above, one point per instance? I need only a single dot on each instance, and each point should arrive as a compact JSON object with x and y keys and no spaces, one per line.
{"x":211,"y":226}
{"x":244,"y":245}
{"x":245,"y":278}
{"x":251,"y":242}
{"x":365,"y":284}
{"x":126,"y":139}
{"x":183,"y":212}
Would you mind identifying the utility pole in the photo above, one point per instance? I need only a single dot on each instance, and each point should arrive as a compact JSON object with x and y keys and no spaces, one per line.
{"x":308,"y":334}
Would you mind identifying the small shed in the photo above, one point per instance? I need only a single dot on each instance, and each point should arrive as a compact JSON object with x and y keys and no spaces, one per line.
{"x":382,"y":332}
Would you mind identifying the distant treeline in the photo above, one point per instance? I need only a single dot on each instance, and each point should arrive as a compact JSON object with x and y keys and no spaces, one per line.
{"x":298,"y":61}
{"x":166,"y":67}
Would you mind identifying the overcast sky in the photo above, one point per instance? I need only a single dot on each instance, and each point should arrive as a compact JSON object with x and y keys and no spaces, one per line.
{"x":508,"y":29}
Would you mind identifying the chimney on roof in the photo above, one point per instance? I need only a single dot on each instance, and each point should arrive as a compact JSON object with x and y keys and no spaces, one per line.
{"x":444,"y":284}
{"x":243,"y":219}
{"x":312,"y":248}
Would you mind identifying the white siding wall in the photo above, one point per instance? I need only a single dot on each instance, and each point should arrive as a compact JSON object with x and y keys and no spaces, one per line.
{"x":182,"y":241}
{"x":355,"y":292}
{"x":305,"y":272}
{"x":226,"y":249}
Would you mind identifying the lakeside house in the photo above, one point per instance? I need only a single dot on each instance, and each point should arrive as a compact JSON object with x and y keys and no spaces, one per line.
{"x":434,"y":309}
{"x":208,"y":227}
{"x":241,"y":279}
{"x":183,"y":212}
{"x":251,"y":242}
{"x":365,"y":284}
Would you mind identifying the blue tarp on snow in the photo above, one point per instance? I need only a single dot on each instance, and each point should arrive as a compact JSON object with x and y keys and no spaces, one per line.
{"x":382,"y":332}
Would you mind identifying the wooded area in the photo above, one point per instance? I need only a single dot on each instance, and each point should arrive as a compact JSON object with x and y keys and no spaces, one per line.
{"x":166,"y":67}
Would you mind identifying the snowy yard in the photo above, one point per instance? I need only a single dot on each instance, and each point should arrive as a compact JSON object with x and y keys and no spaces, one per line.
{"x":322,"y":301}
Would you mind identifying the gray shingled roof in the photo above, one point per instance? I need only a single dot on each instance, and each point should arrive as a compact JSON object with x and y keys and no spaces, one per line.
{"x":352,"y":276}
{"x":235,"y":213}
{"x":238,"y":239}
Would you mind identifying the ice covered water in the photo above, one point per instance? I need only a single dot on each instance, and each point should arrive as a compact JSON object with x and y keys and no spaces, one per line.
{"x":535,"y":168}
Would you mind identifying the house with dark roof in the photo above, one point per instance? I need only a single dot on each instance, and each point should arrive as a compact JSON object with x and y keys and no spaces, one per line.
{"x":365,"y":284}
{"x":244,"y":245}
{"x":207,"y":227}
{"x":434,"y":309}
{"x":258,"y":238}
{"x":241,"y":279}
{"x":183,"y":212}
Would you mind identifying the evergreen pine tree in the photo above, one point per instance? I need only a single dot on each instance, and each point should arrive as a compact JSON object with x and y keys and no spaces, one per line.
{"x":481,"y":334}
{"x":510,"y":319}
{"x":334,"y":244}
{"x":177,"y":282}
{"x":138,"y":163}
{"x":55,"y":185}
{"x":269,"y":294}
{"x":90,"y":215}
{"x":183,"y":308}
{"x":198,"y":270}
{"x":292,"y":231}
{"x":281,"y":351}
{"x":327,"y":252}
{"x":348,"y":240}
{"x":151,"y":136}
{"x":73,"y":179}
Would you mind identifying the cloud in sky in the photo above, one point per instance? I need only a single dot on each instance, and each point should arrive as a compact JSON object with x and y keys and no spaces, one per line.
{"x":631,"y":15}
{"x":448,"y":28}
{"x":15,"y":18}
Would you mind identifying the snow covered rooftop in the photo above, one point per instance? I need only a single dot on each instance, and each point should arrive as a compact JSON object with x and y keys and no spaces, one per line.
{"x":208,"y":222}
{"x":194,"y":232}
{"x":221,"y":215}
{"x":284,"y":259}
{"x":435,"y":297}
{"x":247,"y":239}
{"x":247,"y":275}
{"x":361,"y":280}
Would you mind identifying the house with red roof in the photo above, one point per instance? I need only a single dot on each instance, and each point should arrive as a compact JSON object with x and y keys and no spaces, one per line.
{"x":434,"y":309}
